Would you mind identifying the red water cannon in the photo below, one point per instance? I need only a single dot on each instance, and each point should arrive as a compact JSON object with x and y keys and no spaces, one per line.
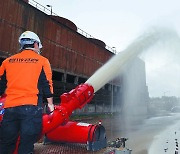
{"x":76,"y":98}
{"x":58,"y":128}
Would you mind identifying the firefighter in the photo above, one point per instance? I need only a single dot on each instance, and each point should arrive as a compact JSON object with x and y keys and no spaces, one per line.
{"x":28,"y":77}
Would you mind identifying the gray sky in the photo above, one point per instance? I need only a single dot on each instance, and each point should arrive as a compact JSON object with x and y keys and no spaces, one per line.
{"x":119,"y":22}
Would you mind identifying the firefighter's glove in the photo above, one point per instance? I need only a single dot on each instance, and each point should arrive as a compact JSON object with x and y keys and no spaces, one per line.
{"x":51,"y":107}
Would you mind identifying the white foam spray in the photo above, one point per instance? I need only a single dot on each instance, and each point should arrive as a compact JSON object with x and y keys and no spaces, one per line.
{"x":113,"y":67}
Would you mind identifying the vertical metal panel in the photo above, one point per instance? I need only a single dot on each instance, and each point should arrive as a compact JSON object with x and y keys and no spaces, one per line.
{"x":80,"y":45}
{"x":58,"y":35}
{"x":59,"y":58}
{"x":87,"y":67}
{"x":10,"y":9}
{"x":50,"y":30}
{"x":80,"y":64}
{"x":6,"y":35}
{"x":93,"y":47}
{"x":46,"y":48}
{"x":64,"y":38}
{"x":12,"y":40}
{"x":60,"y":62}
{"x":1,"y":8}
{"x":101,"y":55}
{"x":71,"y":61}
{"x":47,"y":32}
{"x":67,"y":59}
{"x":89,"y":50}
{"x":1,"y":34}
{"x":19,"y":14}
{"x":16,"y":16}
{"x":55,"y":53}
{"x":29,"y":21}
{"x":74,"y":64}
{"x":96,"y":53}
{"x":69,"y":39}
{"x":83,"y":46}
{"x":4,"y":9}
{"x":13,"y":44}
{"x":53,"y":31}
{"x":51,"y":53}
{"x":26,"y":18}
{"x":75,"y":42}
{"x":63,"y":59}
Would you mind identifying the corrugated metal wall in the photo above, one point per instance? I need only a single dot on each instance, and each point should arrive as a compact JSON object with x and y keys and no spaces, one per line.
{"x":66,"y":49}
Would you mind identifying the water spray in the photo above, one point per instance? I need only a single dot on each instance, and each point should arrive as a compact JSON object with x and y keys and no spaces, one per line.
{"x":113,"y":67}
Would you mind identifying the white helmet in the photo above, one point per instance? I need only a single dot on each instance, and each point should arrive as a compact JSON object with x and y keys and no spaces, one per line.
{"x":29,"y":37}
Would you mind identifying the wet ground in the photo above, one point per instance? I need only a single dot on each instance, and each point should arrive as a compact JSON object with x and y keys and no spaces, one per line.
{"x":144,"y":135}
{"x":147,"y":136}
{"x":167,"y":141}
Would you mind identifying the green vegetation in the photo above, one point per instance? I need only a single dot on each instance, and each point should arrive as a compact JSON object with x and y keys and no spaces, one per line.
{"x":89,"y":116}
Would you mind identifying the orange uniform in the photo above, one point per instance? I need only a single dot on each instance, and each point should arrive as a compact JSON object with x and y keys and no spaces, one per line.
{"x":28,"y":76}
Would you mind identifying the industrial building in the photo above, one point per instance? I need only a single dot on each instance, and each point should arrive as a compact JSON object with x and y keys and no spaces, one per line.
{"x":74,"y":57}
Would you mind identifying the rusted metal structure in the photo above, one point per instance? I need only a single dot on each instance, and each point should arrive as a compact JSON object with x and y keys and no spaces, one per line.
{"x":73,"y":56}
{"x":67,"y":50}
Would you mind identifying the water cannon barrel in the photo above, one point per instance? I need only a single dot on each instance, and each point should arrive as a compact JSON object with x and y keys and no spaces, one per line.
{"x":78,"y":132}
{"x":72,"y":131}
{"x":76,"y":98}
{"x":82,"y":95}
